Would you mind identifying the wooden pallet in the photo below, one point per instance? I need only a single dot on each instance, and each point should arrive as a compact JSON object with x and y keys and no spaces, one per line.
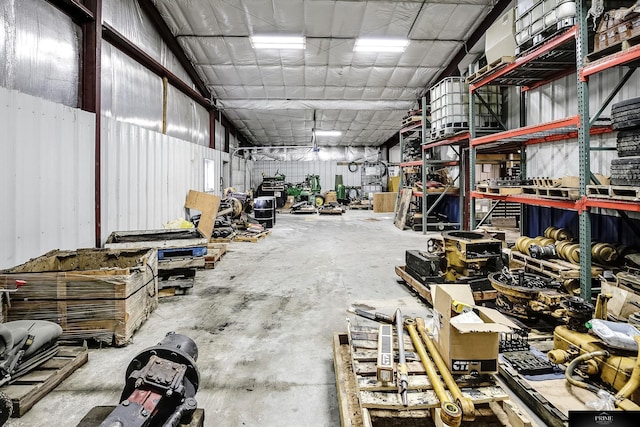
{"x":555,"y":268}
{"x":559,"y":193}
{"x":98,"y":413}
{"x":490,"y":68}
{"x":498,"y":190}
{"x":251,"y":237}
{"x":215,"y":251}
{"x":365,"y":402}
{"x":27,"y":390}
{"x":614,"y":192}
{"x":424,"y":291}
{"x":411,"y":120}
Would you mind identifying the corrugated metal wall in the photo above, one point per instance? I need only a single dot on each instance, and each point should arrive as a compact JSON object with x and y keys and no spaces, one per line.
{"x":558,"y":100}
{"x":46,"y":177}
{"x":147,"y":175}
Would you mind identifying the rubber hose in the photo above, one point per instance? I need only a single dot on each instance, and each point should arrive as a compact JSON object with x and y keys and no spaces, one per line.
{"x":577,"y":361}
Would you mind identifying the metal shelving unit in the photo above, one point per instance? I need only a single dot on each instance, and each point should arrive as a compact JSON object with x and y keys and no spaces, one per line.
{"x":558,"y":57}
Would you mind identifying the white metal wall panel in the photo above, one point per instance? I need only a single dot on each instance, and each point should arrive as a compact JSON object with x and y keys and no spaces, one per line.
{"x":146,"y":176}
{"x":558,"y":100}
{"x":561,"y":158}
{"x":46,"y":170}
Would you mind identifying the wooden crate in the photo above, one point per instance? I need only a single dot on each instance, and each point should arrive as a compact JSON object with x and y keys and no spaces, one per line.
{"x":100,"y":294}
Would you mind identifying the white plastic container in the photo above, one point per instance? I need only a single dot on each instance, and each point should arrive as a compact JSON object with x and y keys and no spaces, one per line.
{"x":535,"y":20}
{"x":450,"y":107}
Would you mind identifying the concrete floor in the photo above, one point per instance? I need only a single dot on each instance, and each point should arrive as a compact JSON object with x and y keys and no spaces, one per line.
{"x":263,"y":321}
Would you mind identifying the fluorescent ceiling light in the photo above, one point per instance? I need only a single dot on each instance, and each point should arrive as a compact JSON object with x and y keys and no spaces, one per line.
{"x":380,"y":45}
{"x":277,"y":42}
{"x":328,"y":132}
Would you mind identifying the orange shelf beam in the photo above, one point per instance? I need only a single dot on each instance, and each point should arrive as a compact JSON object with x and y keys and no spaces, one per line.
{"x":535,"y":201}
{"x":619,"y":58}
{"x":529,"y":130}
{"x":413,"y":163}
{"x":447,"y":141}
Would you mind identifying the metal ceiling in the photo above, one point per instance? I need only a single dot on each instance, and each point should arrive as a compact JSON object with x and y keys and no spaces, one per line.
{"x":277,"y":97}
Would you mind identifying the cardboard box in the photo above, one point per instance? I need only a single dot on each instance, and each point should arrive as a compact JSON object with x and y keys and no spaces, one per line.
{"x":467,"y":347}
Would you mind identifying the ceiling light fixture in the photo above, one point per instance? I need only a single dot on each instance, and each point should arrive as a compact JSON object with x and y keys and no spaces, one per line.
{"x":278,"y":42}
{"x":381,"y":45}
{"x":327,"y":132}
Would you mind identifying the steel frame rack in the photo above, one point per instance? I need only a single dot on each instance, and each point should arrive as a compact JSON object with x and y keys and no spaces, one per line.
{"x":529,"y":72}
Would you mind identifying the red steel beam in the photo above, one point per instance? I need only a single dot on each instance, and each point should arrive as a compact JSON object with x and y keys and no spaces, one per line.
{"x":90,"y":97}
{"x":527,"y":130}
{"x":534,"y":201}
{"x":120,"y":42}
{"x":448,"y":141}
{"x":414,"y":163}
{"x":610,"y":61}
{"x":79,"y":13}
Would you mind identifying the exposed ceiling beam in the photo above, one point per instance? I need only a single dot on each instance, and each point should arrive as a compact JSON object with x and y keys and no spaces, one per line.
{"x":173,"y":45}
{"x":494,"y":14}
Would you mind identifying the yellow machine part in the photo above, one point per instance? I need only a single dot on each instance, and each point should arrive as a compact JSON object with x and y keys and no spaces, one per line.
{"x":615,"y":370}
{"x":459,"y":263}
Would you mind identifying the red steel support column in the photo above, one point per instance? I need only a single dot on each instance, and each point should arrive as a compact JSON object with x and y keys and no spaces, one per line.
{"x":90,"y":94}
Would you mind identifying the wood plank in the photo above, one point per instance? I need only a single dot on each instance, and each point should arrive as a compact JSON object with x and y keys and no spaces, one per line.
{"x":384,"y":202}
{"x":350,"y":412}
{"x":27,"y":390}
{"x":400,"y":220}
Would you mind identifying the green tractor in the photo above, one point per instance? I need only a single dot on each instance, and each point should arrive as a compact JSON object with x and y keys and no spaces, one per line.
{"x":307,"y":191}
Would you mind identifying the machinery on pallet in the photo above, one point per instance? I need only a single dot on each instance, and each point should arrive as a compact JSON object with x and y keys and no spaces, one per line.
{"x":161,"y":384}
{"x":274,"y":186}
{"x":307,"y":191}
{"x":604,"y":360}
{"x":465,"y":257}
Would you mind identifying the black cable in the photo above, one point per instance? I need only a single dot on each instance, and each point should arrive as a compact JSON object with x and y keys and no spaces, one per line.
{"x":353,"y":164}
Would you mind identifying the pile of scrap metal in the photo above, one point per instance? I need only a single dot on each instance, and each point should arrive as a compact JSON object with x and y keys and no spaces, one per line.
{"x":465,"y":257}
{"x":530,"y":296}
{"x":601,"y":356}
{"x":234,"y":214}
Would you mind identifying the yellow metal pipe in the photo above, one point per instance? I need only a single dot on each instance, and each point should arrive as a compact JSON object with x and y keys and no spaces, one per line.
{"x":451,"y":413}
{"x":634,"y":381}
{"x":468,"y":410}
